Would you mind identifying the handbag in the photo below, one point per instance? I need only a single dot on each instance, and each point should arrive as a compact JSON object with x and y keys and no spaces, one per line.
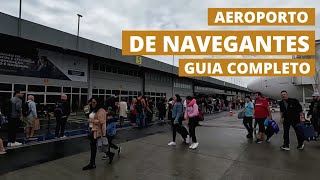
{"x":36,"y":124}
{"x":242,"y":113}
{"x":102,"y":144}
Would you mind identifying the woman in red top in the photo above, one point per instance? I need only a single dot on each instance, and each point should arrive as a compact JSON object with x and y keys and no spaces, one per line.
{"x":261,"y":112}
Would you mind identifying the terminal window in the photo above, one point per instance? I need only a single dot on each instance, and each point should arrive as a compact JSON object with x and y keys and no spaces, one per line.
{"x":5,"y":87}
{"x":101,"y":91}
{"x":102,"y":67}
{"x":75,"y":90}
{"x":84,"y":90}
{"x":21,"y":87}
{"x":36,"y":88}
{"x":67,"y":89}
{"x":95,"y":66}
{"x":53,"y":89}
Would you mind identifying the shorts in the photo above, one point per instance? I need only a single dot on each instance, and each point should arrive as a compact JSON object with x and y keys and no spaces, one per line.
{"x":260,"y":122}
{"x":28,"y":122}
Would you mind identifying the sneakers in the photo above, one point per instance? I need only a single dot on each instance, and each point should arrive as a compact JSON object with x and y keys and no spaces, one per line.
{"x":258,"y":141}
{"x":172,"y":144}
{"x":249,"y":136}
{"x":268,"y":140}
{"x":111,"y":156}
{"x":188,"y":139}
{"x":2,"y":152}
{"x":119,"y":151}
{"x":105,"y":157}
{"x":194,"y":145}
{"x":89,"y":167}
{"x":14,"y":144}
{"x":285,"y":148}
{"x":300,"y":147}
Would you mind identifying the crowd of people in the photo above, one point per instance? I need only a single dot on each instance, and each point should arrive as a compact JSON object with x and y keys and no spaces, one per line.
{"x":184,"y":116}
{"x":291,"y":114}
{"x":18,"y":114}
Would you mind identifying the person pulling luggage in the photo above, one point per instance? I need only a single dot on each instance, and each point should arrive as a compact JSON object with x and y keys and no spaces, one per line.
{"x":291,"y":115}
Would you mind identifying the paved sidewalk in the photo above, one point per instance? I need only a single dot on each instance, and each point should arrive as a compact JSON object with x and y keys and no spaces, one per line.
{"x":223,"y":153}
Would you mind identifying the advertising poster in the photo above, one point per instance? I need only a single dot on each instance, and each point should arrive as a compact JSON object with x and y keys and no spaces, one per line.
{"x":41,"y":63}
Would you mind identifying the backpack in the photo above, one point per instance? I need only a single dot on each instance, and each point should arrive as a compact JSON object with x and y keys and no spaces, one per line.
{"x":139,"y":106}
{"x":111,"y":129}
{"x":26,"y":109}
{"x":58,"y":111}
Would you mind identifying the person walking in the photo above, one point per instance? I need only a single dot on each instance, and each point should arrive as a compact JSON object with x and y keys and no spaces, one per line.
{"x":31,"y":119}
{"x":133,"y":117}
{"x":176,"y":121}
{"x":261,"y":113}
{"x":248,"y":114}
{"x":191,"y":114}
{"x":111,"y":133}
{"x":162,"y":109}
{"x":291,"y":114}
{"x":123,"y":108}
{"x":140,"y":107}
{"x":98,"y":128}
{"x":61,"y":112}
{"x":15,"y":118}
{"x":314,"y":112}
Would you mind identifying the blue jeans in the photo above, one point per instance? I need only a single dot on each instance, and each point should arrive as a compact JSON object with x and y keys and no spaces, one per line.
{"x":140,"y":119}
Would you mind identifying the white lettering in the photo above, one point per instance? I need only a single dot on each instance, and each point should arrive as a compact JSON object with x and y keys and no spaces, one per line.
{"x":203,"y":45}
{"x":219,"y":18}
{"x":230,"y":71}
{"x":246,"y":44}
{"x":189,"y":68}
{"x":167,"y":41}
{"x":279,"y":39}
{"x":150,"y":41}
{"x":217,"y":68}
{"x":133,"y":40}
{"x":291,"y":43}
{"x":301,"y":68}
{"x":187,"y":44}
{"x":234,"y":45}
{"x":305,"y":19}
{"x":261,"y":42}
{"x":303,"y":43}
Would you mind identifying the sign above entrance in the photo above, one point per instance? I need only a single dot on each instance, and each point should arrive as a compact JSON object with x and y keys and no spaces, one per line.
{"x":45,"y":81}
{"x":138,"y":59}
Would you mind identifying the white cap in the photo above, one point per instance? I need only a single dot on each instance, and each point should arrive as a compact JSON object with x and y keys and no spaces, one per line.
{"x":315,"y":94}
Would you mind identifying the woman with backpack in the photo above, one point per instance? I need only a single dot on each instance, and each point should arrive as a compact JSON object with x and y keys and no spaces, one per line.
{"x":98,"y":128}
{"x":176,"y":121}
{"x":192,"y":115}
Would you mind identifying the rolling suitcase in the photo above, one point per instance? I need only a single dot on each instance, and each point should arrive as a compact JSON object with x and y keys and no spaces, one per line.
{"x":307,"y":130}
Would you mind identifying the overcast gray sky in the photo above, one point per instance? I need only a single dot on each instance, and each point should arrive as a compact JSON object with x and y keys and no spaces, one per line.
{"x":104,"y":20}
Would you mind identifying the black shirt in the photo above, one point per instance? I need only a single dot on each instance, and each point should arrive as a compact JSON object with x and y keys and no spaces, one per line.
{"x":293,"y":110}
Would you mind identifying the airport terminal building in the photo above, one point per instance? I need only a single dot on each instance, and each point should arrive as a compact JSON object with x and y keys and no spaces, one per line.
{"x":46,"y":62}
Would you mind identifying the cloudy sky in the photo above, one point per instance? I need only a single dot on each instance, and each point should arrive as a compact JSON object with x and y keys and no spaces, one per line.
{"x":103,"y":20}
